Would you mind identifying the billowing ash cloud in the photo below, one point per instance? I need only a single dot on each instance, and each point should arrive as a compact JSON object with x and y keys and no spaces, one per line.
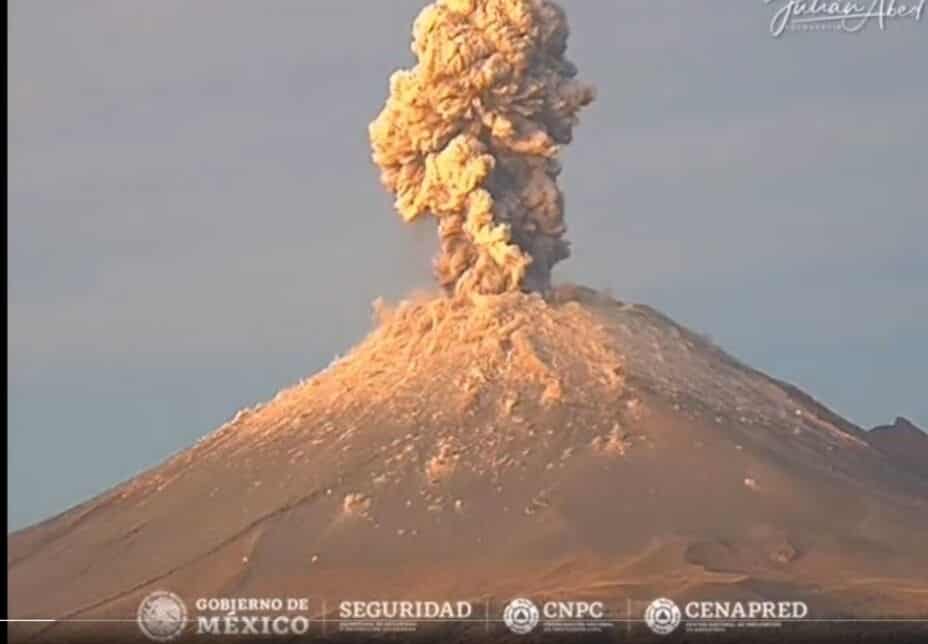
{"x":471,"y":134}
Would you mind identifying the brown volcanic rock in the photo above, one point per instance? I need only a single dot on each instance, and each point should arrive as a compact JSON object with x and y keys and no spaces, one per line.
{"x":498,"y":446}
{"x":904,"y":443}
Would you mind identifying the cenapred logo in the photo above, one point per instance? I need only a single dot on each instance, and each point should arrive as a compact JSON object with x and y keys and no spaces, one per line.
{"x":663,"y":616}
{"x":162,"y":616}
{"x":521,"y":616}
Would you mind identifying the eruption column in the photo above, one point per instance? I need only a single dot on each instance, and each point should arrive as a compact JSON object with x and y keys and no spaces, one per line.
{"x":470,"y":135}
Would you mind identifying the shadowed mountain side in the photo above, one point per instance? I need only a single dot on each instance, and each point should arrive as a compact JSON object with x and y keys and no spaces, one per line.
{"x":489,"y":446}
{"x":904,"y":443}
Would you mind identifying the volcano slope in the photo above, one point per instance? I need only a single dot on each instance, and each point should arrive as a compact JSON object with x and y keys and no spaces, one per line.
{"x":499,"y":446}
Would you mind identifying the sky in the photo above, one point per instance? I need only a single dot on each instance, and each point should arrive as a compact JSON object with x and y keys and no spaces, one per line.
{"x":195,"y":222}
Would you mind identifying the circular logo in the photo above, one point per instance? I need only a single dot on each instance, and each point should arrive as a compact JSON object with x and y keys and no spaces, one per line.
{"x":162,"y":616}
{"x":521,"y":616}
{"x":662,"y":616}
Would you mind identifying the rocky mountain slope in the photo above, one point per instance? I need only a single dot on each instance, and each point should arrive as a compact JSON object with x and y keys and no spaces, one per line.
{"x":904,"y":443}
{"x":495,"y":446}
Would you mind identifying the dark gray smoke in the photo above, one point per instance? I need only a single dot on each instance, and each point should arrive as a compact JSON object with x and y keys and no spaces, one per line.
{"x":470,"y":135}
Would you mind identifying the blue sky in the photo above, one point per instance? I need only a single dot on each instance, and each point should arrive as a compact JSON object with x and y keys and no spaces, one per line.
{"x":194,"y":221}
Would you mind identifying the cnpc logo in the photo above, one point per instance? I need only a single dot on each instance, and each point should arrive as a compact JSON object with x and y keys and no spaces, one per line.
{"x":521,"y":615}
{"x":573,"y":610}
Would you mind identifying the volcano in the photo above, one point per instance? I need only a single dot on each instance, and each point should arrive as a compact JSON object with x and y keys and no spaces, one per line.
{"x":486,"y":447}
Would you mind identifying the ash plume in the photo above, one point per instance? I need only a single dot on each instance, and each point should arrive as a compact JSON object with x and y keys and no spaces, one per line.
{"x":470,"y":135}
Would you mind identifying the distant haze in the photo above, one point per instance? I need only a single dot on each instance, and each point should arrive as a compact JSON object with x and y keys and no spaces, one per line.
{"x":195,"y":221}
